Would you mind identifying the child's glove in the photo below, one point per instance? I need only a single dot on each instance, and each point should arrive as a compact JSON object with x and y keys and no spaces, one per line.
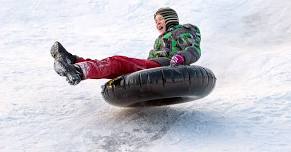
{"x":177,"y":60}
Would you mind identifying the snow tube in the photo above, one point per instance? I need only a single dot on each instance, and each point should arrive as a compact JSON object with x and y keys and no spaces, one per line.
{"x":159,"y":86}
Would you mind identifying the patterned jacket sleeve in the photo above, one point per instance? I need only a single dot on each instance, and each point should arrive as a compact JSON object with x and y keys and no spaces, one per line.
{"x":189,"y":42}
{"x":155,"y":55}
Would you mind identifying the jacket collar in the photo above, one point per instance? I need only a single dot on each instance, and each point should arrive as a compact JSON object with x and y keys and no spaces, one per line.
{"x":170,"y":29}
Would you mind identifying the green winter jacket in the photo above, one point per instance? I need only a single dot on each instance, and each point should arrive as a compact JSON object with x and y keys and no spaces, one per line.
{"x":180,"y":39}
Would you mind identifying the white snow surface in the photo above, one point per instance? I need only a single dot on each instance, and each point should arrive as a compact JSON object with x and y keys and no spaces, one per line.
{"x":246,"y":43}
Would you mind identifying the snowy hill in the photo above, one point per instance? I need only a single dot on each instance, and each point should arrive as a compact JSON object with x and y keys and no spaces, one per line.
{"x":245,"y":43}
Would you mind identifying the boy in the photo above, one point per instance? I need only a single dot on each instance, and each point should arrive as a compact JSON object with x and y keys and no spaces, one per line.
{"x":176,"y":45}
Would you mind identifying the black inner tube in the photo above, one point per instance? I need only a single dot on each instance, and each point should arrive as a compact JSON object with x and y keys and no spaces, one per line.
{"x":159,"y":86}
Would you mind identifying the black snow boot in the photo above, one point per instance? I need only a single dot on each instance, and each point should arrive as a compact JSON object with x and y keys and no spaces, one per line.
{"x":59,"y":53}
{"x":72,"y":72}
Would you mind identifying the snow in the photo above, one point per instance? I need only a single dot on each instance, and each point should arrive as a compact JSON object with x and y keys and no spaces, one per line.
{"x":245,"y":43}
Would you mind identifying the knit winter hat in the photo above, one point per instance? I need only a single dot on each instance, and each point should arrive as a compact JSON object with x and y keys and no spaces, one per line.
{"x":170,"y":16}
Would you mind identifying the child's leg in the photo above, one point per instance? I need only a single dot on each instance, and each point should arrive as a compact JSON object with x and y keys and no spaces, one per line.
{"x":114,"y":66}
{"x":80,"y":59}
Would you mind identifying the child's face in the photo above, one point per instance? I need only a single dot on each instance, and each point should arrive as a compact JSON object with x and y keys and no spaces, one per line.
{"x":160,"y":24}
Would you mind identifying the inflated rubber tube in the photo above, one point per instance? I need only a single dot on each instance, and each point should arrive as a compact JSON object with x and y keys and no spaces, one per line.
{"x":159,"y":86}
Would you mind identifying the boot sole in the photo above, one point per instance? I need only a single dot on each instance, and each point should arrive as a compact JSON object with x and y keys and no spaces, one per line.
{"x":64,"y":69}
{"x":59,"y":53}
{"x":55,"y":50}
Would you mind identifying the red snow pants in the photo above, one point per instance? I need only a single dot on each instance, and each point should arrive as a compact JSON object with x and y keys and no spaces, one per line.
{"x":112,"y":67}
